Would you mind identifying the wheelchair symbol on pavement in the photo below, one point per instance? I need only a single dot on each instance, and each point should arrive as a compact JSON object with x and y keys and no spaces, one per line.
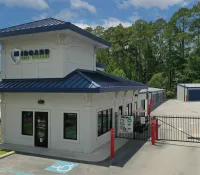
{"x":62,"y":167}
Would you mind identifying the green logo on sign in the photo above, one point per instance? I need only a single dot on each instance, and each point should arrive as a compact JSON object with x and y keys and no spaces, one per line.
{"x":129,"y":120}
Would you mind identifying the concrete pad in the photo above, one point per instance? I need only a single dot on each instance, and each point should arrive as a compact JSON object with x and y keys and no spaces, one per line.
{"x":100,"y":154}
{"x":178,"y":108}
{"x":165,"y":158}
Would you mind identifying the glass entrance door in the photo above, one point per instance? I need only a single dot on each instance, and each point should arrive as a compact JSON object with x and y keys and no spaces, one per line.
{"x":41,"y":129}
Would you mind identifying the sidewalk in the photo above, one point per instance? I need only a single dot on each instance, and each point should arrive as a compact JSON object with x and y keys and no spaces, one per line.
{"x":98,"y":155}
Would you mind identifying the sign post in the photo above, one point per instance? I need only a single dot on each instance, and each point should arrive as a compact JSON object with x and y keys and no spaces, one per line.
{"x":112,"y":143}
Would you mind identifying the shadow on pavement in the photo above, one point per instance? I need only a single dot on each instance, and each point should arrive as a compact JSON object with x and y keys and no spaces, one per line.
{"x":180,"y":143}
{"x":122,"y":156}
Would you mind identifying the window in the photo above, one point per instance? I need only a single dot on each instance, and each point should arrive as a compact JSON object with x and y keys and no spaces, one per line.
{"x":121,"y":110}
{"x":70,"y":126}
{"x":129,"y":109}
{"x":136,"y":107}
{"x":143,"y":104}
{"x":104,"y":121}
{"x":27,"y":123}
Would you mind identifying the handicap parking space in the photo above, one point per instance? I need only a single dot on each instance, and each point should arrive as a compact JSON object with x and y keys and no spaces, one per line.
{"x":18,"y":164}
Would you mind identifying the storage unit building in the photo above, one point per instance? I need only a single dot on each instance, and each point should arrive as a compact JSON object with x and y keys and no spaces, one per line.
{"x":157,"y":96}
{"x":188,"y":92}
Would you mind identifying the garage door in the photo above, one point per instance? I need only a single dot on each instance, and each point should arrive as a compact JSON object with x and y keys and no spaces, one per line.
{"x":194,"y":95}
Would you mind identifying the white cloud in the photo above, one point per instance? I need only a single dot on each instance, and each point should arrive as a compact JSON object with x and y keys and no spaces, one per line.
{"x":113,"y":22}
{"x":106,"y":23}
{"x":66,"y":14}
{"x":34,"y":4}
{"x":82,"y":25}
{"x":41,"y":16}
{"x":162,"y":4}
{"x":135,"y":17}
{"x":80,"y":4}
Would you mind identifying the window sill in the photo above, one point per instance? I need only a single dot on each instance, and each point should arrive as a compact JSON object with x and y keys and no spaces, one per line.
{"x":26,"y":137}
{"x":70,"y":141}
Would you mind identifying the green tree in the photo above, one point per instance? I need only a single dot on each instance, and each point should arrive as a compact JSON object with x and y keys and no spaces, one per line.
{"x":162,"y":53}
{"x":158,"y":80}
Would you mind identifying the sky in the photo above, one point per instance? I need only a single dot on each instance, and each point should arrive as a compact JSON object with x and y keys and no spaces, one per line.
{"x":85,"y":13}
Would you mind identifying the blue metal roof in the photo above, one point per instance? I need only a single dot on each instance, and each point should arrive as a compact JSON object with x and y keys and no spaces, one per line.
{"x":47,"y":25}
{"x":79,"y":81}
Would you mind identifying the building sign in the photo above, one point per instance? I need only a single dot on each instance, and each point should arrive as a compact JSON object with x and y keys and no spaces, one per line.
{"x":17,"y":54}
{"x":125,"y":124}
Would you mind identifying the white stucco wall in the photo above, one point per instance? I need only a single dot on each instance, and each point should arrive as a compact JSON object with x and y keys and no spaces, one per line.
{"x":67,"y":53}
{"x":180,"y":93}
{"x":56,"y":105}
{"x":85,"y":105}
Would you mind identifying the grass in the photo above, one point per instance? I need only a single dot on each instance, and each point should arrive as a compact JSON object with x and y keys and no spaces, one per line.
{"x":3,"y":151}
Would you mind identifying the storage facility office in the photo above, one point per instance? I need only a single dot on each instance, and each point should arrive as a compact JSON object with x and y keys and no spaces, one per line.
{"x":53,"y":94}
{"x":188,"y":92}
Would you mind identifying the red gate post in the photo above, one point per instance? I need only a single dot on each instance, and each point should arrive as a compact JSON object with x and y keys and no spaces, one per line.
{"x":152,"y":132}
{"x":156,"y":129}
{"x":112,"y":142}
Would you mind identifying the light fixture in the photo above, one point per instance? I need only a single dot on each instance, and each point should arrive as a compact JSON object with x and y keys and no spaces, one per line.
{"x":41,"y":102}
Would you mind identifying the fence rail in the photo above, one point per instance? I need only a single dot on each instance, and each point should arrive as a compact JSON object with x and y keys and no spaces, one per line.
{"x":179,"y":128}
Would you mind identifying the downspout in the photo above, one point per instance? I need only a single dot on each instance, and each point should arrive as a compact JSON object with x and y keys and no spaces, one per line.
{"x":3,"y":61}
{"x":95,"y":59}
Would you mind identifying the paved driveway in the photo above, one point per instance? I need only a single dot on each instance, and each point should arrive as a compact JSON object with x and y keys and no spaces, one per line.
{"x":165,"y":158}
{"x":176,"y":107}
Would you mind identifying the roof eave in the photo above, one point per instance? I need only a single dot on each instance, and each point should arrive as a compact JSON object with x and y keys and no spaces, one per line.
{"x":118,"y":89}
{"x":69,"y":90}
{"x":65,"y":26}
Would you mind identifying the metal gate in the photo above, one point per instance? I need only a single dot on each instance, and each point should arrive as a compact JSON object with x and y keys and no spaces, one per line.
{"x":138,"y":127}
{"x":179,"y":128}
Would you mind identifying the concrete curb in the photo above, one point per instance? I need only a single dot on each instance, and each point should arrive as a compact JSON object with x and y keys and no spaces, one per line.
{"x":7,"y":154}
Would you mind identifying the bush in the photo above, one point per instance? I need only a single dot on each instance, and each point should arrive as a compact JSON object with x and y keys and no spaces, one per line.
{"x":170,"y":94}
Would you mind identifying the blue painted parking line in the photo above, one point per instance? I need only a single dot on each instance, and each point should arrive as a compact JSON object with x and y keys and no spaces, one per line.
{"x":62,"y":167}
{"x":14,"y":172}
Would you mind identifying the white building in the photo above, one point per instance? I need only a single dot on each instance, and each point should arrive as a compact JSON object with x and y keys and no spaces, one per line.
{"x":53,"y":96}
{"x":188,"y":92}
{"x":158,"y":96}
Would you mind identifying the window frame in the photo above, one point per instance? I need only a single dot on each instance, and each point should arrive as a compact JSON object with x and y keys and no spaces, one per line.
{"x":120,"y":108}
{"x":109,"y":124}
{"x":22,"y":123}
{"x":77,"y":127}
{"x":130,"y":108}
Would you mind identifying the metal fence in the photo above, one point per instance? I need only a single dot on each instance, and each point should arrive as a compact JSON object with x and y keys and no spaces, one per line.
{"x":138,"y":127}
{"x":179,"y":128}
